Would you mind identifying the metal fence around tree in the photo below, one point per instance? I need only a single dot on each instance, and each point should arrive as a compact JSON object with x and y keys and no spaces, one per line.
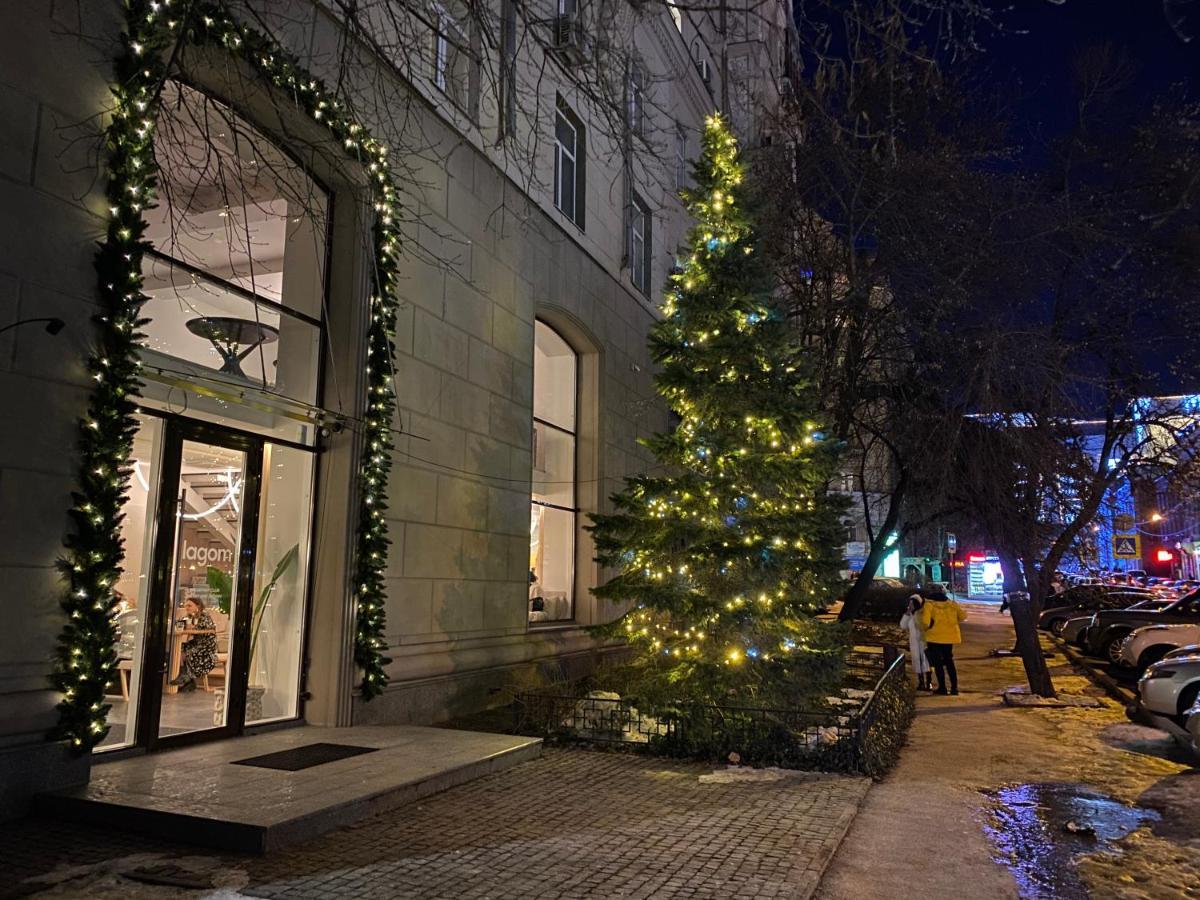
{"x":864,"y":739}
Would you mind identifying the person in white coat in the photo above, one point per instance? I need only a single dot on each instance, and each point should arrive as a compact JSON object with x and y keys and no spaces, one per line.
{"x":911,"y":623}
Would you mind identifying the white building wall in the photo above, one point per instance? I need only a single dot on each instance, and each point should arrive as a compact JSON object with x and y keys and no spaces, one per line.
{"x":52,"y":94}
{"x":486,"y":253}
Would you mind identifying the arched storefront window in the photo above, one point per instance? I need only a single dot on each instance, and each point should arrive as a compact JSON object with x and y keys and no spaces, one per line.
{"x":218,"y":518}
{"x":235,"y":277}
{"x":553,"y":511}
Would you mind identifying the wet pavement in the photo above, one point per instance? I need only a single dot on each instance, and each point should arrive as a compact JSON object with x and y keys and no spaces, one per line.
{"x":1040,"y":831}
{"x":979,"y":803}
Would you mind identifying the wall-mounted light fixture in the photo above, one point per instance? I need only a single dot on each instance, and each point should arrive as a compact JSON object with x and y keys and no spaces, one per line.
{"x":53,"y":325}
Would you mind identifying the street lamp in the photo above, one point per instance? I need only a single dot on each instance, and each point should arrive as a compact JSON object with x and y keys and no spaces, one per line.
{"x":53,"y":325}
{"x":1156,"y":517}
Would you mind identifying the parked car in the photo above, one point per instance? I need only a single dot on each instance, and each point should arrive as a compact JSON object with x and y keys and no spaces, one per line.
{"x":1110,"y":627}
{"x":1073,"y":630}
{"x":1193,"y":726}
{"x":1167,"y":589}
{"x":1089,"y":593}
{"x":1148,"y":645}
{"x":1171,"y":687}
{"x":1076,"y":630}
{"x":1188,"y":650}
{"x":1085,"y":599}
{"x":1133,"y":576}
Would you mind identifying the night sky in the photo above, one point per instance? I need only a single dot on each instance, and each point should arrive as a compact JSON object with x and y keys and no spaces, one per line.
{"x":1041,"y":36}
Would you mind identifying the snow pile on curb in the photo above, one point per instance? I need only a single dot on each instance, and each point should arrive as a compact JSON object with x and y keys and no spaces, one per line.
{"x":747,"y":775}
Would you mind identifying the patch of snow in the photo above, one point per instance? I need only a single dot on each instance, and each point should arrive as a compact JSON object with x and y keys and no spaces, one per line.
{"x":746,"y":775}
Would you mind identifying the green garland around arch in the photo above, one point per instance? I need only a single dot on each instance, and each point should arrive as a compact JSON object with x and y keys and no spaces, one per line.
{"x":92,"y":560}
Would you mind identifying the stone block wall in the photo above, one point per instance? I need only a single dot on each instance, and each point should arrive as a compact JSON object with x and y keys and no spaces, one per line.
{"x":53,"y":95}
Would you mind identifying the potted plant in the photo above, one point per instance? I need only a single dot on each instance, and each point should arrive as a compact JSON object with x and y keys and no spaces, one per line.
{"x":254,"y":693}
{"x":221,"y":585}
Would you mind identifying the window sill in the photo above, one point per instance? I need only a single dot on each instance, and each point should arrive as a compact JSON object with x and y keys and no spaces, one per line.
{"x":562,"y":625}
{"x":562,"y":215}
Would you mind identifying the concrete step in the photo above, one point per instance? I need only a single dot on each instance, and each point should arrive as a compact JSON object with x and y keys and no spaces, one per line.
{"x":197,"y":795}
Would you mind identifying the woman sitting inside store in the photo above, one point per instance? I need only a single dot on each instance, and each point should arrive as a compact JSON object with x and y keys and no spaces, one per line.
{"x":200,"y":650}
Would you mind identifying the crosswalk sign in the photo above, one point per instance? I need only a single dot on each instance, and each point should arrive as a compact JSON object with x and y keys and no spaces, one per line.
{"x":1127,"y":546}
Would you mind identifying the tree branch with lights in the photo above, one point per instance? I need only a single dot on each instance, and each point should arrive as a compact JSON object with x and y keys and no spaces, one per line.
{"x":726,"y":559}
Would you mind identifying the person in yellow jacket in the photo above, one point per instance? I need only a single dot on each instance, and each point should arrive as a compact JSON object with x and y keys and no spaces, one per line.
{"x":940,"y":617}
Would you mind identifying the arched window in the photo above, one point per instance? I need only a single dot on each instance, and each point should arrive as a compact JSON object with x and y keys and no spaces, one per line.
{"x":235,"y":274}
{"x":554,"y":509}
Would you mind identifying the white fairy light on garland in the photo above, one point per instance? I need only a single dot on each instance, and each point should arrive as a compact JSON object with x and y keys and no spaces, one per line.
{"x":91,"y":565}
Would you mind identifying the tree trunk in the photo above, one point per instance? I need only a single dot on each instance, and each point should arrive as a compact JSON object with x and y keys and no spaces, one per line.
{"x":1028,"y":645}
{"x":854,"y":598}
{"x":1038,"y":589}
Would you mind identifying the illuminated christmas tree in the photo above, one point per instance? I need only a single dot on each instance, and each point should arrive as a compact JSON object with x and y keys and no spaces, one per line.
{"x":726,"y":557}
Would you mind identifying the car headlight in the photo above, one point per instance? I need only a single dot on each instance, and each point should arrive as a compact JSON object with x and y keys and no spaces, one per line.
{"x":1161,"y":673}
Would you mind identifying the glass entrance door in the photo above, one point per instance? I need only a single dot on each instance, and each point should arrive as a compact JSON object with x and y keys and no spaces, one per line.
{"x":211,"y":606}
{"x":203,"y":572}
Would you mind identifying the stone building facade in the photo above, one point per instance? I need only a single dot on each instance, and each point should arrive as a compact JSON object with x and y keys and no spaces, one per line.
{"x":540,"y":217}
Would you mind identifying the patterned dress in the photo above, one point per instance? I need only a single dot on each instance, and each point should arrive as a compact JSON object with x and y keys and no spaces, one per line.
{"x":200,"y":651}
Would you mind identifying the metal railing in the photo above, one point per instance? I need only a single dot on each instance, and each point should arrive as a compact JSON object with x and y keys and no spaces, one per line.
{"x":884,"y":719}
{"x":865,"y":739}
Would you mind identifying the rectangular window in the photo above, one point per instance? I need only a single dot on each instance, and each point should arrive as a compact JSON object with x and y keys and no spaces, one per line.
{"x":441,"y":53}
{"x":568,"y":164}
{"x":640,"y":245}
{"x":553,"y":510}
{"x":281,"y":568}
{"x":636,"y":113}
{"x":452,"y":60}
{"x":132,"y":587}
{"x":681,"y":157}
{"x":508,"y":68}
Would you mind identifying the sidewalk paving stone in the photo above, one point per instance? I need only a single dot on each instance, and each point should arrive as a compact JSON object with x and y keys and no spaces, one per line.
{"x":573,"y":824}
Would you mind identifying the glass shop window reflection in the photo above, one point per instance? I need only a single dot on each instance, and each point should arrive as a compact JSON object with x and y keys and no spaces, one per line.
{"x":236,"y":275}
{"x":553,"y":512}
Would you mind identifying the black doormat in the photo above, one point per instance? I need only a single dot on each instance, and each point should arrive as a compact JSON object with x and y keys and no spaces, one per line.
{"x":305,"y":757}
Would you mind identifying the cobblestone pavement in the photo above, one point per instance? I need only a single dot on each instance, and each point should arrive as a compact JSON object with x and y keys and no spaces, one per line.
{"x":572,"y":824}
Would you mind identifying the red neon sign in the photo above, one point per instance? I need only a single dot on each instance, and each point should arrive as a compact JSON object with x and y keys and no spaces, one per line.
{"x":974,"y":558}
{"x":1165,"y":556}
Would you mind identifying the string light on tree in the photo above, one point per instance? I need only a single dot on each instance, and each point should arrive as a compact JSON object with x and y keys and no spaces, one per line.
{"x":726,"y":560}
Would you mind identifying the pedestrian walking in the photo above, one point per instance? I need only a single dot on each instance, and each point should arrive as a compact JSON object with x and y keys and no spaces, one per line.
{"x":911,"y":623}
{"x":940,"y":618}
